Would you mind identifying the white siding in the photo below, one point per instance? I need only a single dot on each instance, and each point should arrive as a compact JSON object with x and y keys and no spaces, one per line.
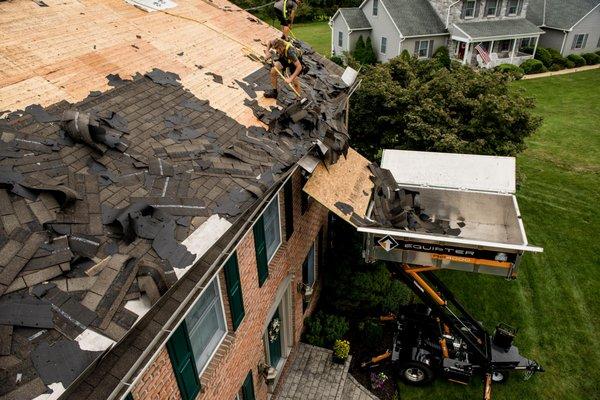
{"x":589,"y":25}
{"x":354,"y":37}
{"x":339,"y":25}
{"x":382,"y":25}
{"x":552,"y":38}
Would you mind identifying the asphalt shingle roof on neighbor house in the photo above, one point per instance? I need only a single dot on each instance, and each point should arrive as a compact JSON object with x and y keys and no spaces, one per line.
{"x":561,"y":14}
{"x":505,"y":27}
{"x":355,"y":18}
{"x":415,"y":17}
{"x":127,"y":148}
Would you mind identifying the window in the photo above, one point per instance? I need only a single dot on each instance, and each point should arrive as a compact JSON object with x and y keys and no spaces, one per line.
{"x":469,"y":9}
{"x":340,"y":39}
{"x":182,"y":360}
{"x":375,"y":7}
{"x":308,"y":268}
{"x":383,"y":48}
{"x":267,"y":238}
{"x":491,"y":7}
{"x":579,"y":41}
{"x":234,"y":290}
{"x":288,"y":199}
{"x":423,"y":48}
{"x":526,"y":42}
{"x":247,"y":390}
{"x":206,"y":324}
{"x":513,"y":7}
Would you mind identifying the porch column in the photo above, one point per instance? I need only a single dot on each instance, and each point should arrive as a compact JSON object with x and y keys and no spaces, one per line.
{"x":537,"y":39}
{"x":465,"y":56}
{"x":512,"y":53}
{"x":491,"y":46}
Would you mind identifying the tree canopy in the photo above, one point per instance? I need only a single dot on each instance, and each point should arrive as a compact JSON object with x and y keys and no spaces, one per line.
{"x":423,"y":105}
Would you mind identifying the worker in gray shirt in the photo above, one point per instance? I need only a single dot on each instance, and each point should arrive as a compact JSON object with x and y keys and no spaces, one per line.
{"x":286,"y":11}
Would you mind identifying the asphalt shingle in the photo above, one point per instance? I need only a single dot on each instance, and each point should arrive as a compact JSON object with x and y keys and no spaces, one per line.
{"x":355,"y":18}
{"x":505,"y":27}
{"x":415,"y":17}
{"x":560,"y":14}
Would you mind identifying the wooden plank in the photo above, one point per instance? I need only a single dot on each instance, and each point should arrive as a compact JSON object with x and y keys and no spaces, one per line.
{"x":347,"y":181}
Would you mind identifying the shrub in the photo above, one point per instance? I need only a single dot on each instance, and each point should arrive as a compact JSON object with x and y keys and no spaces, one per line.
{"x":569,"y":63}
{"x":512,"y":70}
{"x":370,"y":56}
{"x":371,"y":333}
{"x":591,"y":58}
{"x":442,"y":55}
{"x":405,"y":55}
{"x":577,"y":60}
{"x":555,"y":55}
{"x":555,"y":67}
{"x":338,"y":60}
{"x":533,"y":67}
{"x":560,"y":61}
{"x":341,"y":349}
{"x":527,"y":49}
{"x":359,"y":50}
{"x":598,"y":52}
{"x":544,"y":56}
{"x":323,"y":329}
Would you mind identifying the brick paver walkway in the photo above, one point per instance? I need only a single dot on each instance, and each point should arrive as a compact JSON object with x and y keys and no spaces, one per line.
{"x":313,"y":376}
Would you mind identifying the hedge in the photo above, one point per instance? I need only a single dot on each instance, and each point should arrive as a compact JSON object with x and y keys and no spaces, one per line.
{"x":533,"y":67}
{"x":513,"y":70}
{"x":577,"y":59}
{"x":591,"y":58}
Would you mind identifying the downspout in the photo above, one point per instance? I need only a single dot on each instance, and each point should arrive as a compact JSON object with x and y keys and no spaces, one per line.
{"x":544,"y":15}
{"x":402,"y":39}
{"x":562,"y":47}
{"x":448,"y":13}
{"x":332,"y":33}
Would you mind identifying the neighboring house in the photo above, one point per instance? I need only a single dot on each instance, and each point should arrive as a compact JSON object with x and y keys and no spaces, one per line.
{"x":421,"y":26}
{"x":165,"y":250}
{"x":393,"y":25}
{"x":571,"y":26}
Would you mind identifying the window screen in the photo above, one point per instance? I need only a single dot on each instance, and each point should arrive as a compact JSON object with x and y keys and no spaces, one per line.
{"x":206,"y":324}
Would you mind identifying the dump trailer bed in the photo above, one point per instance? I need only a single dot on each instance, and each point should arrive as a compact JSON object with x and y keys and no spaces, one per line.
{"x":475,"y":194}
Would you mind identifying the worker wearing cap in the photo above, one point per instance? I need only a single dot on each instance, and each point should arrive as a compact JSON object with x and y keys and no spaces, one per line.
{"x":286,"y":11}
{"x":285,"y":58}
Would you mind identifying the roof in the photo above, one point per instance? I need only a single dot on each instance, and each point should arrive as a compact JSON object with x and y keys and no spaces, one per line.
{"x":415,"y":17}
{"x":498,"y":28}
{"x":355,"y":18}
{"x":127,"y":149}
{"x":559,"y":13}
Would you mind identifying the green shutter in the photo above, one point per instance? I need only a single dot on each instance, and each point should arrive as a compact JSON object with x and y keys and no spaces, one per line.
{"x":288,"y":196}
{"x":261,"y":251}
{"x":234,"y":290}
{"x":248,"y":388}
{"x":184,"y":365}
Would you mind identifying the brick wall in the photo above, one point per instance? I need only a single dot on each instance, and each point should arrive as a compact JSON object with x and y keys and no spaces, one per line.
{"x":243,"y":350}
{"x":158,"y":382}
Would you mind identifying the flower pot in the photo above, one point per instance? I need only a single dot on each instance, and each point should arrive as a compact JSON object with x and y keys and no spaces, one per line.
{"x":338,"y":360}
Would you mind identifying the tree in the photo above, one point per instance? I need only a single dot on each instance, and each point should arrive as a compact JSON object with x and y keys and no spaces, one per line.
{"x":442,"y":55}
{"x":370,"y":57}
{"x":359,"y":50}
{"x":419,"y":105}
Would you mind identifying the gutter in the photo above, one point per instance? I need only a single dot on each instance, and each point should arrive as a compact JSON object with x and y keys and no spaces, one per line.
{"x":145,"y":359}
{"x":448,"y":13}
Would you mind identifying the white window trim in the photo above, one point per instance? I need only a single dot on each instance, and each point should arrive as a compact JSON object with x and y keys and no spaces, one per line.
{"x":474,"y":8}
{"x":508,"y":8}
{"x":582,"y":35}
{"x":340,"y":39}
{"x":373,"y":7}
{"x":276,"y":198}
{"x":419,"y":50}
{"x":487,"y":14}
{"x":209,"y":359}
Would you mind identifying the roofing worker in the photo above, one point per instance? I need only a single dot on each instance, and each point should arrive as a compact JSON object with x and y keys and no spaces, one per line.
{"x":286,"y":11}
{"x":288,"y":58}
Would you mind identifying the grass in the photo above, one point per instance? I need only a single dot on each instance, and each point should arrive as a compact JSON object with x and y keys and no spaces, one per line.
{"x":554,"y":300}
{"x":317,"y":34}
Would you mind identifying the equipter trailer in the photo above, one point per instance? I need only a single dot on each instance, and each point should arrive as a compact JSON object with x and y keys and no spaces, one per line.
{"x":439,"y":337}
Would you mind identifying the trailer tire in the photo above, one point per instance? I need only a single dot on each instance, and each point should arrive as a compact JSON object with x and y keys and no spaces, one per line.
{"x":416,"y":373}
{"x":500,"y":376}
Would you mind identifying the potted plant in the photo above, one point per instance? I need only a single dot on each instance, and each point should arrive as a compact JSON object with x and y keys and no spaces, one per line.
{"x":378,"y":380}
{"x":341,"y":349}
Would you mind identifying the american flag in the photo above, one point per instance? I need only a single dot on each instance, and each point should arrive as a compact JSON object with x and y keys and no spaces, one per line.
{"x":483,"y":53}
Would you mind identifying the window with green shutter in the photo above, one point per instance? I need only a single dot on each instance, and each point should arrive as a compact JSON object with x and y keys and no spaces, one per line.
{"x":234,"y":290}
{"x":247,"y":391}
{"x":261,"y":251}
{"x":184,"y":365}
{"x":288,"y":196}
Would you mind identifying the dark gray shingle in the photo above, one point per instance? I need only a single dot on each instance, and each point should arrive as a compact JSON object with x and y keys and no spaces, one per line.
{"x":355,"y":18}
{"x":415,"y":17}
{"x":505,"y":27}
{"x":562,"y":14}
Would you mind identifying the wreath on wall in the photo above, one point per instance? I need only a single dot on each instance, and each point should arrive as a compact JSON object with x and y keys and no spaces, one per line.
{"x":274,"y":329}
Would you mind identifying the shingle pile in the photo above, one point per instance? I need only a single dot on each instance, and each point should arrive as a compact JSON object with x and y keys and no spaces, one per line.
{"x":96,"y":197}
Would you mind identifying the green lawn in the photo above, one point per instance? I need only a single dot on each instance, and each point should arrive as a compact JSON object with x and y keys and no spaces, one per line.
{"x":554,"y":301}
{"x":317,"y":34}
